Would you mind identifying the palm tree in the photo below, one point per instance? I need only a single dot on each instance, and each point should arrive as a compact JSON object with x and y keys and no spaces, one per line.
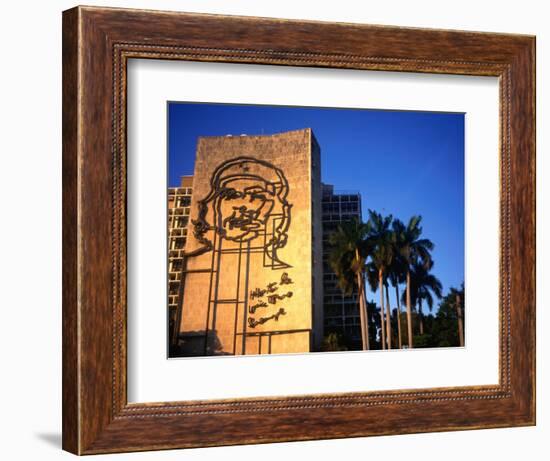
{"x":381,"y":254}
{"x":397,"y":270}
{"x":412,"y":249}
{"x":424,"y":286}
{"x":396,"y":275}
{"x":458,"y":296}
{"x":388,"y":313}
{"x":347,"y":259}
{"x":373,"y":280}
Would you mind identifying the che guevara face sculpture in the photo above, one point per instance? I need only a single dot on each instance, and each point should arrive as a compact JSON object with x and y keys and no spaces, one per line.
{"x":244,"y":206}
{"x":247,"y":199}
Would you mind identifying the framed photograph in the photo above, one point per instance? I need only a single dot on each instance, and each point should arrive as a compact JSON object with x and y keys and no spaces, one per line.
{"x":280,"y":230}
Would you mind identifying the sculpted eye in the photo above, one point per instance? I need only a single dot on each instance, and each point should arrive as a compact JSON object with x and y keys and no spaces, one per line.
{"x":230,"y":194}
{"x":256,"y":193}
{"x":258,"y":197}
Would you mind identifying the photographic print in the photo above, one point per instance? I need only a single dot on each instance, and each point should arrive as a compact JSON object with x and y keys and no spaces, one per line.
{"x":313,"y":229}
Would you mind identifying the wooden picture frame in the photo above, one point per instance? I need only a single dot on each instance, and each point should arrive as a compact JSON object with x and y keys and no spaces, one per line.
{"x":97,"y":42}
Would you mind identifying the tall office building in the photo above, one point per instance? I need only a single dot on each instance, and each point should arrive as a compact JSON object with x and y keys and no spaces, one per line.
{"x":179,"y":205}
{"x":251,"y":277}
{"x":341,"y":313}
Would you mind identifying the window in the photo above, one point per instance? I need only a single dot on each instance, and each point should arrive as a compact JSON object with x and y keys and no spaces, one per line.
{"x":181,"y":221}
{"x":349,"y":207}
{"x":176,"y":265}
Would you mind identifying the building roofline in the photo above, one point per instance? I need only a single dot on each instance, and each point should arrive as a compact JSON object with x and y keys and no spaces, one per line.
{"x":270,"y":135}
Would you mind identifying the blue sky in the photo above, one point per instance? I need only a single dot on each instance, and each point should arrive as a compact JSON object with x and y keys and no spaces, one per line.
{"x":403,"y":163}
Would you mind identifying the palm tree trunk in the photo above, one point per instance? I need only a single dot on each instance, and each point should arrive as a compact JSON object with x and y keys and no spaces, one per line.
{"x":421,"y":317}
{"x":363,"y":312}
{"x":409,"y":316}
{"x":381,"y":289}
{"x":460,"y":325}
{"x":388,"y":317}
{"x":399,"y":340}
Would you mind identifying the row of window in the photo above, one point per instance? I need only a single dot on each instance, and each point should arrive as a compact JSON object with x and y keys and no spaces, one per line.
{"x":341,"y":198}
{"x":179,"y":211}
{"x":175,"y":265}
{"x":349,"y":207}
{"x":182,"y":201}
{"x":177,"y":233}
{"x":340,"y":321}
{"x":180,"y":191}
{"x":341,"y":310}
{"x":336,"y":299}
{"x":177,"y":243}
{"x":180,"y":221}
{"x":338,"y":218}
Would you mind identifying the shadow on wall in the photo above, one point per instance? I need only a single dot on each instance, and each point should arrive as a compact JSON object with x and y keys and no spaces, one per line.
{"x":192,"y":344}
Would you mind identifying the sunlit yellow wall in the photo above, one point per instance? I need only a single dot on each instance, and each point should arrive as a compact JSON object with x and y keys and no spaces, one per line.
{"x":294,"y":153}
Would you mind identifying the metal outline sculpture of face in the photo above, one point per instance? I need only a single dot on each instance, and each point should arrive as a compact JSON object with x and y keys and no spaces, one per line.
{"x":247,"y":195}
{"x":243,"y":207}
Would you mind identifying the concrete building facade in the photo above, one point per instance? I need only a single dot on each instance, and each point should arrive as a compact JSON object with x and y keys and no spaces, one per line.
{"x":251,"y":272}
{"x":179,"y":206}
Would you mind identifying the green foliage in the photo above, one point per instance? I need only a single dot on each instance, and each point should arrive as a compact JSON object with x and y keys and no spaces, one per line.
{"x":424,"y":286}
{"x":386,"y":247}
{"x":411,"y":247}
{"x":424,"y":340}
{"x":348,"y":253}
{"x":333,"y":342}
{"x":379,"y":245}
{"x":445,"y":329}
{"x":441,"y":330}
